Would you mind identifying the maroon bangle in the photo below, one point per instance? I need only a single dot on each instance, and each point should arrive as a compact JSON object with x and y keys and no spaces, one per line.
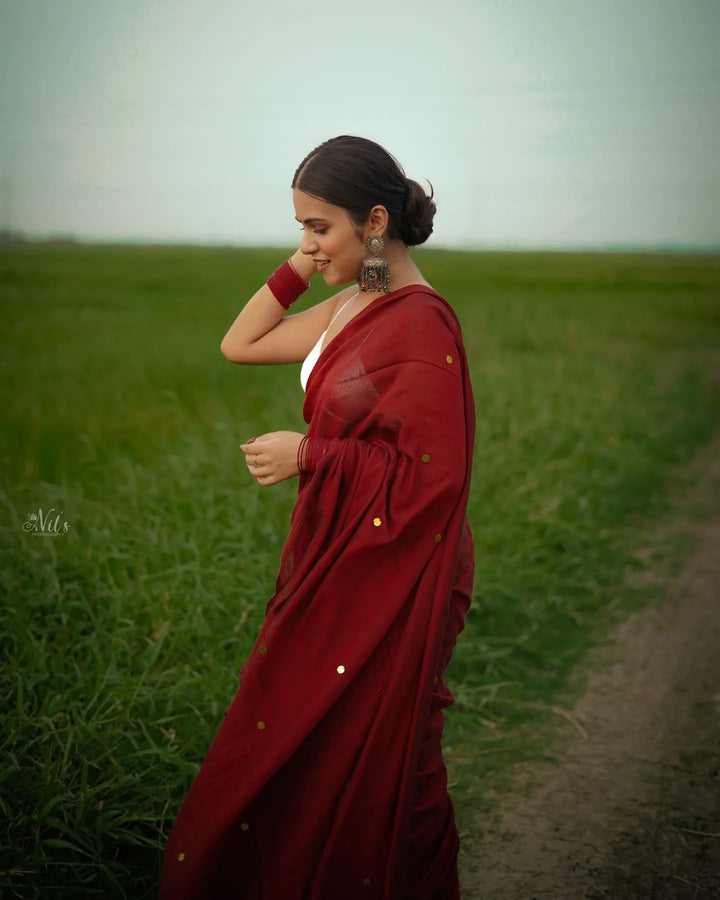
{"x":301,"y":453}
{"x":286,"y":284}
{"x":311,"y":451}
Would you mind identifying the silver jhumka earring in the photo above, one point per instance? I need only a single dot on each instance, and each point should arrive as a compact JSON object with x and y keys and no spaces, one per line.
{"x":375,"y":271}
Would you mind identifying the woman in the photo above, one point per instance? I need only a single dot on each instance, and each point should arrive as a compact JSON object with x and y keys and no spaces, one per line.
{"x":326,"y":779}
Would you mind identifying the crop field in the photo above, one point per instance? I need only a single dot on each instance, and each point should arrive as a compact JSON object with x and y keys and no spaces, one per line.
{"x":138,"y":554}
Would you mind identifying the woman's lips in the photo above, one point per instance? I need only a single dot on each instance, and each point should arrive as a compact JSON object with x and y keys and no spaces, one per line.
{"x":321,"y":264}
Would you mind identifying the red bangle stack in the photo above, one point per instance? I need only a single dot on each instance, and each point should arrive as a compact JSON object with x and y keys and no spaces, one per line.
{"x":286,"y":284}
{"x":301,"y":462}
{"x":310,"y":451}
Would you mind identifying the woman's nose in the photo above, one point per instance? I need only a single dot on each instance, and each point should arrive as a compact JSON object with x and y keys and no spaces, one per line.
{"x":308,"y":244}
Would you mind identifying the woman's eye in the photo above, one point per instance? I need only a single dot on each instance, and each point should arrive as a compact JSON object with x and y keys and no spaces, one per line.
{"x":315,"y":230}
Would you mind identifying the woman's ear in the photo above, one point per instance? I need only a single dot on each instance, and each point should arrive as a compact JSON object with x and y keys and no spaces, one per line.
{"x":378,"y":220}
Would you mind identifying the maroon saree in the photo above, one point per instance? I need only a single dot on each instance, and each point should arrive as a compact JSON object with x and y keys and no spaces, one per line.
{"x":326,"y":780}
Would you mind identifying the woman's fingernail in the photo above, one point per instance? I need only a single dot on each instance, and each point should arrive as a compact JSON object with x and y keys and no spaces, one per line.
{"x":251,"y":440}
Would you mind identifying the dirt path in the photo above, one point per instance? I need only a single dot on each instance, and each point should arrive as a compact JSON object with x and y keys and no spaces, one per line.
{"x":631,"y":811}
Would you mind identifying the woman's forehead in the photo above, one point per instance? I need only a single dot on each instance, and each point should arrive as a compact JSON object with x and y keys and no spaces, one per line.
{"x":308,"y":207}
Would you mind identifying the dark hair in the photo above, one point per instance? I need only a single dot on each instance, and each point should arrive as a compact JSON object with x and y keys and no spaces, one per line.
{"x":357,"y":174}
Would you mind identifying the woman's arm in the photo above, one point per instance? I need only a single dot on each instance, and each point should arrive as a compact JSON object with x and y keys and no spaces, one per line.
{"x":262,"y":334}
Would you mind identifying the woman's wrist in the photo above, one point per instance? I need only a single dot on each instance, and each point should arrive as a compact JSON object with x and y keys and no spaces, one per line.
{"x":301,"y":461}
{"x":286,"y":284}
{"x":310,"y":451}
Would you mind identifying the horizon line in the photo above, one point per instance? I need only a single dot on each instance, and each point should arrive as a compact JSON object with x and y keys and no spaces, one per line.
{"x":10,"y":236}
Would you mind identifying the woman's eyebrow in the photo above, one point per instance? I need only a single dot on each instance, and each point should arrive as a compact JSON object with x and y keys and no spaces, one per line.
{"x":309,"y":221}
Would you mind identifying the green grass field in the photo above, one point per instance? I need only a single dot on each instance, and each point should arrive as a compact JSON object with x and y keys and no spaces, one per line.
{"x":122,"y":638}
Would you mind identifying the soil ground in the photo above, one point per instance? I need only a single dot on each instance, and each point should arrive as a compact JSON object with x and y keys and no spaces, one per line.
{"x":626,"y":804}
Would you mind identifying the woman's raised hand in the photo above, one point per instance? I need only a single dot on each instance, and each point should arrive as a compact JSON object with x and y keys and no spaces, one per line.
{"x":303,"y":265}
{"x":272,"y":457}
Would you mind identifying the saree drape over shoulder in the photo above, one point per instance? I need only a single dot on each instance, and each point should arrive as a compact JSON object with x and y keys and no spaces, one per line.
{"x":326,"y":780}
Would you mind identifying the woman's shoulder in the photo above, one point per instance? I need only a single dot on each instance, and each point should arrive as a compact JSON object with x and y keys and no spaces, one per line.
{"x":335,"y":301}
{"x":424,"y":308}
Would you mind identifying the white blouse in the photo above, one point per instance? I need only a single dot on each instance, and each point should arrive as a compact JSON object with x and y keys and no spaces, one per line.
{"x":314,"y":355}
{"x":310,"y":360}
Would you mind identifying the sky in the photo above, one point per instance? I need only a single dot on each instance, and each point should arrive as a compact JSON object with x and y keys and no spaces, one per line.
{"x":539,"y":123}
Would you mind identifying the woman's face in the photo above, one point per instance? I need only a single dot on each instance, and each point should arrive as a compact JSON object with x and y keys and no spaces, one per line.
{"x":330,"y":237}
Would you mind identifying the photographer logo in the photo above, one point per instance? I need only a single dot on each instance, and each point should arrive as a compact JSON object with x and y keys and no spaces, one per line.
{"x":45,"y":524}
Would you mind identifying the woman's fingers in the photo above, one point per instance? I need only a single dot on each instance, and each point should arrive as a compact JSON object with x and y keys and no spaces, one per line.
{"x":255,"y":446}
{"x":259,"y":451}
{"x":265,"y":478}
{"x":259,"y":459}
{"x":261,"y":467}
{"x":272,"y":457}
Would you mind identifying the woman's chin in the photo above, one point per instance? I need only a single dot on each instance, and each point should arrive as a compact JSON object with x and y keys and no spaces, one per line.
{"x":338,"y":279}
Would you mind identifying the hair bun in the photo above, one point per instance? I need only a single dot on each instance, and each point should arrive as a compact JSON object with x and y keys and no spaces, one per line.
{"x":357,"y":174}
{"x":420,"y":211}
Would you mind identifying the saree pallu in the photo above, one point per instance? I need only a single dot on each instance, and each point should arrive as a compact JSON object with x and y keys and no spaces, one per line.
{"x":326,"y":780}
